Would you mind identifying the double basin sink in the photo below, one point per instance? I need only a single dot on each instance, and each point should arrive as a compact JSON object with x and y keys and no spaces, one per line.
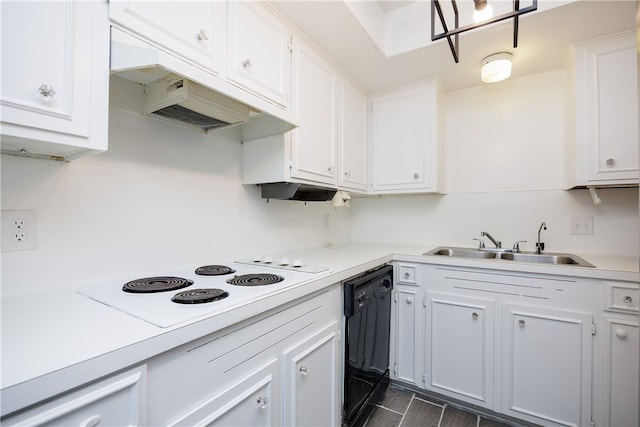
{"x":509,"y":255}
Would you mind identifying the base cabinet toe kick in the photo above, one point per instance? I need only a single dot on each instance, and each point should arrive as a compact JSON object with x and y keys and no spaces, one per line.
{"x":550,"y":350}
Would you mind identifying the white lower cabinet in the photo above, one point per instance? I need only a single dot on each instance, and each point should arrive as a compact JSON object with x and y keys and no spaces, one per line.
{"x":252,"y":401}
{"x":311,"y":383}
{"x":519,"y":344}
{"x":116,"y":401}
{"x":546,"y":365}
{"x":405,"y":345}
{"x":459,"y":347}
{"x":621,"y":352}
{"x":620,"y":374}
{"x":278,"y":368}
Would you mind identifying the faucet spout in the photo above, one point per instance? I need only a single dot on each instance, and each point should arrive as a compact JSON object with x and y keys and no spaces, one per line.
{"x":497,"y":243}
{"x":539,"y":244}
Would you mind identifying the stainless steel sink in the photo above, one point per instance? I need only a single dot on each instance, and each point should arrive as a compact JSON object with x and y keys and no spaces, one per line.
{"x":462,"y":253}
{"x":560,"y":259}
{"x":508,"y":255}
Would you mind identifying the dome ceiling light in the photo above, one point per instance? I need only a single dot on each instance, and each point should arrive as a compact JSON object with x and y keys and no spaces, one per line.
{"x":481,"y":8}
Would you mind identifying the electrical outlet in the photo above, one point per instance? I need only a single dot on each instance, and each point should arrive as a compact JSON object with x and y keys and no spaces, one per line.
{"x":18,"y":230}
{"x":581,"y":225}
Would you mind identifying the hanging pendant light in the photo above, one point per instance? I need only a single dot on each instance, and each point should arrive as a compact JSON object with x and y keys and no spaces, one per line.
{"x":496,"y":67}
{"x":451,"y":32}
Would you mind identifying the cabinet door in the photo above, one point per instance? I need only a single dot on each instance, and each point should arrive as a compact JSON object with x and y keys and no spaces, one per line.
{"x":608,"y":125}
{"x":116,"y":401}
{"x":546,"y":361}
{"x":252,"y":401}
{"x":352,"y":139}
{"x":620,"y":372}
{"x":404,"y":140}
{"x":407,"y":335}
{"x":194,"y":30}
{"x":311,"y":381}
{"x":55,"y":65}
{"x":313,"y":143}
{"x":459,"y":347}
{"x":258,"y":51}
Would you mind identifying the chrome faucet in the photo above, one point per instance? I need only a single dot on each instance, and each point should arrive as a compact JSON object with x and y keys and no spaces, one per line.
{"x":494,"y":241}
{"x":539,"y":244}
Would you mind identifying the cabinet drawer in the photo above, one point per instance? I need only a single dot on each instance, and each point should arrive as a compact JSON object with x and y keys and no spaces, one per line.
{"x":115,"y":401}
{"x":623,"y":297}
{"x":407,"y":273}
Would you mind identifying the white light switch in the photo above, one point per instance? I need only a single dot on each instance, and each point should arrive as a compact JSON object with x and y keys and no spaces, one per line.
{"x":581,"y":225}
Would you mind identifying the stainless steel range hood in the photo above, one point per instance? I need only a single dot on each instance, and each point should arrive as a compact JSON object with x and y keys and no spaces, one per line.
{"x":297,"y":191}
{"x":179,"y":91}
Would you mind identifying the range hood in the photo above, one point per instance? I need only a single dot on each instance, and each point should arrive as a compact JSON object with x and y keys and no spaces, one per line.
{"x":179,"y":91}
{"x":297,"y":191}
{"x":175,"y":98}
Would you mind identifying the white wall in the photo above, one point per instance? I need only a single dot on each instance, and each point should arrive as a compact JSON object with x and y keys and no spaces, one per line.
{"x":504,"y":166}
{"x":162,"y":197}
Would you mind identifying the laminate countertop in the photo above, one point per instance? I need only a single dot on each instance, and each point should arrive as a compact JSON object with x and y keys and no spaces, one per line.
{"x":58,"y":340}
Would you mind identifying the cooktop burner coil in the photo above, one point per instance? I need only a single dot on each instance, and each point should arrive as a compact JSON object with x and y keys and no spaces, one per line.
{"x":255,"y":279}
{"x":149,"y":285}
{"x":199,"y":296}
{"x":214,"y":270}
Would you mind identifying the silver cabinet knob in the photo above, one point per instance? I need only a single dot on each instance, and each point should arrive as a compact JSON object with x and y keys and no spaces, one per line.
{"x":627,"y":299}
{"x":409,"y":300}
{"x":304,"y":370}
{"x":263,"y":401}
{"x":330,"y":169}
{"x":416,"y":175}
{"x":474,"y":315}
{"x":46,"y":91}
{"x":621,"y":333}
{"x":202,"y":35}
{"x":406,"y":275}
{"x":521,"y":323}
{"x":610,"y":162}
{"x":247,"y":63}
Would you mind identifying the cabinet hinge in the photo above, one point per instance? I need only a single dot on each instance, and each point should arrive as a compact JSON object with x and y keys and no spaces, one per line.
{"x":290,"y":44}
{"x":593,"y":329}
{"x":424,"y":378}
{"x":394,"y":369}
{"x":424,"y":301}
{"x":339,"y":335}
{"x":592,"y":423}
{"x":395,"y":296}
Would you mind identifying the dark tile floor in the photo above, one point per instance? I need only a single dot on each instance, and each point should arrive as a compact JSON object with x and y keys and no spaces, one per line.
{"x":403,"y":408}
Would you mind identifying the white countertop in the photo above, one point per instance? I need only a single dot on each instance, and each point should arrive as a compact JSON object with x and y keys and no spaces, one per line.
{"x":59,"y":340}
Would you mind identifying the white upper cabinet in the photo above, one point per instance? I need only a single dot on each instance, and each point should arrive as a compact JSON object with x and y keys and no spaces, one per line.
{"x":404,"y":138}
{"x":313,"y":144}
{"x":258,"y":51}
{"x":55,"y":78}
{"x":194,"y":30}
{"x":603,"y":140}
{"x":352,"y":138}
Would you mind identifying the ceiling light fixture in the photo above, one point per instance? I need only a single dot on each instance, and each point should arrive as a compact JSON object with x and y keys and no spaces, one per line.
{"x":496,"y":67}
{"x":480,"y":5}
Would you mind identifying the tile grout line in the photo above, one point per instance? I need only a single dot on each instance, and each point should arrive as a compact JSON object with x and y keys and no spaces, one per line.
{"x":442,"y":414}
{"x":413,"y":395}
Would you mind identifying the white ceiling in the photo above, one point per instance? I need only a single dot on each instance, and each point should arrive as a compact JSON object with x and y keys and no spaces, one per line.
{"x":544,"y":39}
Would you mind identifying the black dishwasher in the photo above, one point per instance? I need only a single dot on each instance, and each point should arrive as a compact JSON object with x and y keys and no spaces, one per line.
{"x":367,"y":313}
